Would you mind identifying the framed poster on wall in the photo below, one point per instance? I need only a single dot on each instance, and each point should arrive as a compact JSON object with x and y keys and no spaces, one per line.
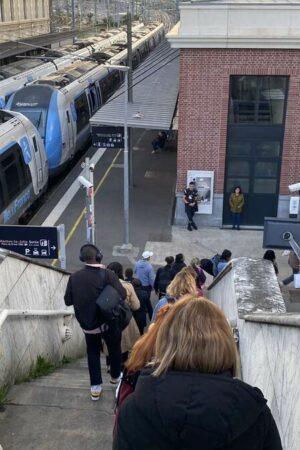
{"x":204,"y":180}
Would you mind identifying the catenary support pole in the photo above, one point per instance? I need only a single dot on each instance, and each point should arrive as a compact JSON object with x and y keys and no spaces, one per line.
{"x":130,"y":92}
{"x":73,"y":20}
{"x":126,"y":171}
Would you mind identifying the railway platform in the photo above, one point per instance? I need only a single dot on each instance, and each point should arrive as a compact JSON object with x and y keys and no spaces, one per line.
{"x":151,"y":201}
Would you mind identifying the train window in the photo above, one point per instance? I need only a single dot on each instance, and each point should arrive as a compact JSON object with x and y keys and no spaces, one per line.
{"x":14,"y":174}
{"x":135,"y":61}
{"x":24,"y":170}
{"x":109,"y":84}
{"x":68,"y":116}
{"x":11,"y":176}
{"x":82,"y":110}
{"x":1,"y":197}
{"x":34,"y":144}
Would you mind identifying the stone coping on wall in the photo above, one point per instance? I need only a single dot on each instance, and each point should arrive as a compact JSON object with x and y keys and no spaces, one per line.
{"x":4,"y":254}
{"x":252,"y":283}
{"x":288,"y":319}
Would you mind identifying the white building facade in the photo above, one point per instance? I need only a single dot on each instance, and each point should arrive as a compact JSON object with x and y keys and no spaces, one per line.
{"x":23,"y":18}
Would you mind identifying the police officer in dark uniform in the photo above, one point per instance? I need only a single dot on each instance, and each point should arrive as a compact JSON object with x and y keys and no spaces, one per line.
{"x":191,"y":206}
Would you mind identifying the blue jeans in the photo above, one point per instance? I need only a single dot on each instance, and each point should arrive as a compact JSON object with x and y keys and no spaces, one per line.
{"x":289,"y":279}
{"x":236,"y":219}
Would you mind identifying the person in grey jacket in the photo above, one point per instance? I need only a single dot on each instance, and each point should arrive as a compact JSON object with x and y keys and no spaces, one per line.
{"x":143,"y":270}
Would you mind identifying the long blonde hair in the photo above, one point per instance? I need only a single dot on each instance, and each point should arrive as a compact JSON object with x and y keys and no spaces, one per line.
{"x":183,"y":283}
{"x":195,"y":335}
{"x":143,"y":350}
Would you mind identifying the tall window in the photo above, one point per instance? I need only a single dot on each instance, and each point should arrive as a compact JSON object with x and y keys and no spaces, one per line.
{"x":25,"y":9}
{"x":12,"y":11}
{"x":257,"y":100}
{"x":2,"y":17}
{"x":36,"y":9}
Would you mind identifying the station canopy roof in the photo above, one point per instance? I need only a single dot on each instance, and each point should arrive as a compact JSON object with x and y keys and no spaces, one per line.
{"x":155,"y":92}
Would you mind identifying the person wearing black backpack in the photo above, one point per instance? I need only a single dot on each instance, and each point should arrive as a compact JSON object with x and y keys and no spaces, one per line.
{"x":164,"y":277}
{"x":83,"y":290}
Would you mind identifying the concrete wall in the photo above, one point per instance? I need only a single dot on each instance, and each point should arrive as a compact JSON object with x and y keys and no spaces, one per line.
{"x":25,"y":285}
{"x":269,"y":339}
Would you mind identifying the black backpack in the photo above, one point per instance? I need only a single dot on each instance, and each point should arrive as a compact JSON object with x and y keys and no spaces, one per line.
{"x":112,"y":307}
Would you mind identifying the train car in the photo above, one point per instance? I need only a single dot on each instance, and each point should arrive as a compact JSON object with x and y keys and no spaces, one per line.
{"x":23,"y":166}
{"x":12,"y":84}
{"x":61,"y":105}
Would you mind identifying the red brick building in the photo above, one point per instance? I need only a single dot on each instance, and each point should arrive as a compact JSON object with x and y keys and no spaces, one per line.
{"x":239,"y":104}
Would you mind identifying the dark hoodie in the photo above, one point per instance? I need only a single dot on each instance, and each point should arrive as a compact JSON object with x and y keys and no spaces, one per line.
{"x":194,"y":411}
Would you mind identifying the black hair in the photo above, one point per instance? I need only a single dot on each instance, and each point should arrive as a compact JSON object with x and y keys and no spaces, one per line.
{"x":226,"y":255}
{"x":90,"y":253}
{"x":117,"y":268}
{"x":179,"y":258}
{"x":169,"y":260}
{"x":269,"y":255}
{"x":128,"y":272}
{"x":237,"y":187}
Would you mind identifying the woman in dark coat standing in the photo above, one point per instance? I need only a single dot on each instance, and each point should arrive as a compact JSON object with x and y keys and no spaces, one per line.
{"x":189,"y":399}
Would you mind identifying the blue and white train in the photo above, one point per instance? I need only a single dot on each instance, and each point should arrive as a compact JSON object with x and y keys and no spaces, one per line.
{"x":60,"y":105}
{"x":11,"y":84}
{"x":23,"y":166}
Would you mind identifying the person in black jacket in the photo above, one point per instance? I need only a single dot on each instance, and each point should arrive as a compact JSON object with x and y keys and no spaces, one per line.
{"x":163,"y":277}
{"x":189,"y":398}
{"x":178,"y":264}
{"x":82,"y":291}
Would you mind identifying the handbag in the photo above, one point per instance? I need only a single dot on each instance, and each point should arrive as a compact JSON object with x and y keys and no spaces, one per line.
{"x":297,"y":280}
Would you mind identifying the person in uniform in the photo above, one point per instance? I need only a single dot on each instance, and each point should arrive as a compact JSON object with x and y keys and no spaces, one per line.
{"x":191,"y":206}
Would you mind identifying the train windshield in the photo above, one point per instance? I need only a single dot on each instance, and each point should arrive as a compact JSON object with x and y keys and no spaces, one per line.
{"x":33,"y":102}
{"x":37,"y":117}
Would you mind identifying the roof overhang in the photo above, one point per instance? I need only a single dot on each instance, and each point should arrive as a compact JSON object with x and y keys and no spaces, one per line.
{"x":155,"y":92}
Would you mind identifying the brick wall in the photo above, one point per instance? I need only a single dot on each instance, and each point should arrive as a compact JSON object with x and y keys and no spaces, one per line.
{"x":203,"y":108}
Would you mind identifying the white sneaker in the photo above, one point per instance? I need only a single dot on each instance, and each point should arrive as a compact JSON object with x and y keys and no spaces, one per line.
{"x":96,"y":392}
{"x":115,"y":381}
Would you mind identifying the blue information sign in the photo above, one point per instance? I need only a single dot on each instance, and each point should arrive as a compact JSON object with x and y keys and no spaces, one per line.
{"x":31,"y":241}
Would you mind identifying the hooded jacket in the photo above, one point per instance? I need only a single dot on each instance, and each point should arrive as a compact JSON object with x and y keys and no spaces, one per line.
{"x":144,"y":272}
{"x":195,"y":411}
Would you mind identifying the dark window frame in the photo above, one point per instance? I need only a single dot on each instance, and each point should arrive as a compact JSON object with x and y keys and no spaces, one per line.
{"x":257,"y":103}
{"x":81,"y":104}
{"x":21,"y":170}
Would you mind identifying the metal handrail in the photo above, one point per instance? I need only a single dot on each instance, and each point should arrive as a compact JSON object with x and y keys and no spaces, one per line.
{"x":5,"y":313}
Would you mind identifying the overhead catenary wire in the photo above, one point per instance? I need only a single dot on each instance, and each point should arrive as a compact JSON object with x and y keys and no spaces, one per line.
{"x":144,"y":78}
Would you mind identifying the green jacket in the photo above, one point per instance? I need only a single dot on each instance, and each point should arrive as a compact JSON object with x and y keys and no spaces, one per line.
{"x":236,"y":202}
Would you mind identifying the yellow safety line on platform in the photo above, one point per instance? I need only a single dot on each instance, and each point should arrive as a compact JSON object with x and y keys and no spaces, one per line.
{"x":81,"y":215}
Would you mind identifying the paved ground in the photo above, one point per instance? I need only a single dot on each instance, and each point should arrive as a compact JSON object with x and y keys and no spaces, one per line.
{"x":55,"y":412}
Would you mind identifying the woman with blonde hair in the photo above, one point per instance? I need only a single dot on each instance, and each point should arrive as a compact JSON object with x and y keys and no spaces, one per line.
{"x":183,"y":283}
{"x":142,"y":354}
{"x":201,"y":277}
{"x":190,"y":398}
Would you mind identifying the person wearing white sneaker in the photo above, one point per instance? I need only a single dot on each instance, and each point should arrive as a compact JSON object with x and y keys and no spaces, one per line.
{"x":82,"y":292}
{"x":96,"y":392}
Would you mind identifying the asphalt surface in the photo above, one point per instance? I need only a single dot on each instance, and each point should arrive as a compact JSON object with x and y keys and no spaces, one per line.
{"x":151,"y":201}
